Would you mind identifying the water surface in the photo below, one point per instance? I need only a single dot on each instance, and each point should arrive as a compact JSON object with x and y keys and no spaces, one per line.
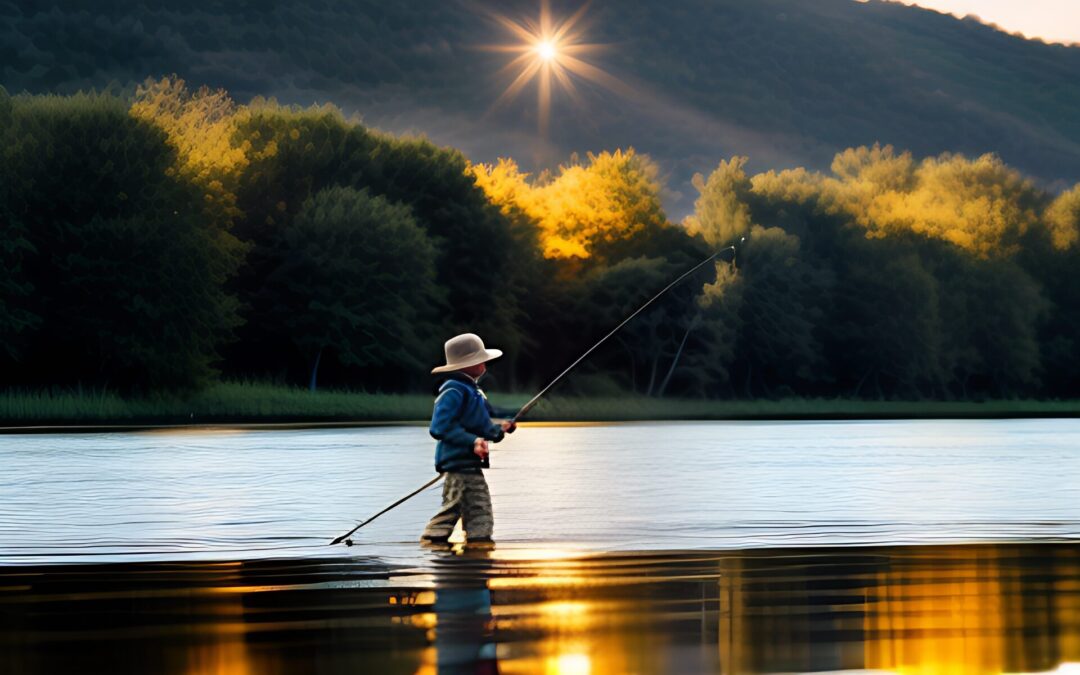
{"x":939,"y":609}
{"x":927,"y":547}
{"x":232,"y":495}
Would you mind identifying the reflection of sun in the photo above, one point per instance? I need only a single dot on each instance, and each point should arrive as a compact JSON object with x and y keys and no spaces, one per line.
{"x":571,"y":664}
{"x":548,"y":51}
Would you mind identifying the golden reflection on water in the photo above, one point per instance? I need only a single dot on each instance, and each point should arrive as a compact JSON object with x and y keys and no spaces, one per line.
{"x":977,"y":613}
{"x":939,"y":610}
{"x":948,"y":609}
{"x":945,"y":621}
{"x":225,"y":658}
{"x":222,"y":649}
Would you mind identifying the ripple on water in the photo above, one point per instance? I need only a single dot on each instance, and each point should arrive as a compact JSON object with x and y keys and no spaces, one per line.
{"x":227,"y":495}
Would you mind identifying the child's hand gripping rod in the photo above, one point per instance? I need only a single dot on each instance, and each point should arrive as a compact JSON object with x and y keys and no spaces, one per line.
{"x":528,"y":406}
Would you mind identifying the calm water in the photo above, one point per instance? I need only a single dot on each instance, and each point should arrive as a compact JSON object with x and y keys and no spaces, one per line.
{"x":648,"y":548}
{"x":244,"y":495}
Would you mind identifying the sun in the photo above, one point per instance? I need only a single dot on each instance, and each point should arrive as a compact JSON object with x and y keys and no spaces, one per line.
{"x":546,"y":50}
{"x":549,"y":51}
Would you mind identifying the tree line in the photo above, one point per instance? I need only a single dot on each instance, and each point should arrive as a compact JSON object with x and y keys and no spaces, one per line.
{"x":159,"y":242}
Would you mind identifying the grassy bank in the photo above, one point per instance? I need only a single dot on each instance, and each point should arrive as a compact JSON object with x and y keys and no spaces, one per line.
{"x":262,"y":403}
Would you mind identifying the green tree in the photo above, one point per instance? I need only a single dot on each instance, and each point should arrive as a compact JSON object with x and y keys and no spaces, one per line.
{"x":702,"y":366}
{"x":482,"y":255}
{"x":127,"y":268}
{"x":16,"y":319}
{"x":609,"y":294}
{"x":356,"y":280}
{"x":885,"y":330}
{"x":485,"y":257}
{"x":996,"y":310}
{"x":780,"y":311}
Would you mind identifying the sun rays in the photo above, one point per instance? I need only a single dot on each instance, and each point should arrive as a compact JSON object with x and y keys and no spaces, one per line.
{"x":549,"y":51}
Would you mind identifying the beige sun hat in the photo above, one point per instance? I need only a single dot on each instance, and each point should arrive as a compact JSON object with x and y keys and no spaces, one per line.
{"x":466,"y":350}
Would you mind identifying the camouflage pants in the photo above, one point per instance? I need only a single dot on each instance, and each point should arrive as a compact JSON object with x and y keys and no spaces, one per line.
{"x":465,"y":496}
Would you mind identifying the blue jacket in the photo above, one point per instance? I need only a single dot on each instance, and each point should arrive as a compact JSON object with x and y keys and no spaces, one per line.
{"x":462,"y":413}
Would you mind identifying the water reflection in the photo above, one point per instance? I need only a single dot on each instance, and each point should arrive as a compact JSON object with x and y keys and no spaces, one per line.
{"x":973,"y":609}
{"x":986,"y":610}
{"x":956,"y":609}
{"x":464,"y":625}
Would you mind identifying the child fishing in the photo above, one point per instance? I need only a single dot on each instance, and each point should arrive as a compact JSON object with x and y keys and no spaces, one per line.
{"x":462,"y":425}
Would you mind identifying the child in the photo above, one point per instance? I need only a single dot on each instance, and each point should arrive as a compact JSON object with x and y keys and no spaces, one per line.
{"x":462,"y":425}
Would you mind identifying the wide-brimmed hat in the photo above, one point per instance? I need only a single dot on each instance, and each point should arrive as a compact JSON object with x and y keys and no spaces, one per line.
{"x":466,"y":350}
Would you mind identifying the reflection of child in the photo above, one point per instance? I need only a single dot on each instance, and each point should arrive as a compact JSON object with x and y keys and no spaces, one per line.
{"x":462,"y":425}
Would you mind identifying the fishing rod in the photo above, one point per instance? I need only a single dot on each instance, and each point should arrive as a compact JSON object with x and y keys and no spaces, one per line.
{"x":528,"y":406}
{"x":349,"y":542}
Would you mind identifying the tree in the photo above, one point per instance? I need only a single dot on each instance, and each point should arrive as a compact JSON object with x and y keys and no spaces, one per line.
{"x":127,"y":267}
{"x":702,"y":365}
{"x":356,"y":279}
{"x":996,"y":310}
{"x":915,"y":249}
{"x":293,"y":154}
{"x":1051,"y":257}
{"x":16,"y":318}
{"x":485,"y":258}
{"x":589,"y":210}
{"x":779,"y":314}
{"x":201,"y":126}
{"x":885,"y":332}
{"x":641,"y":348}
{"x":722,"y":212}
{"x":1062,"y":218}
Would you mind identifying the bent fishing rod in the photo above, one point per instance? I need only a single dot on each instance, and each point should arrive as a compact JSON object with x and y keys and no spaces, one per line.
{"x":532,"y":402}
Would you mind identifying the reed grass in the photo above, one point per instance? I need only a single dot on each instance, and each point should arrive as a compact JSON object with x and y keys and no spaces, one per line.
{"x":253,"y":402}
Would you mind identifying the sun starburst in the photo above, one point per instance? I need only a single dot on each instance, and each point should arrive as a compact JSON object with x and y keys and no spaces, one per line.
{"x":550,"y":52}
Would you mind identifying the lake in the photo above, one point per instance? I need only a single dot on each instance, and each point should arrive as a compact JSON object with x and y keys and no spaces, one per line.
{"x":929,"y":546}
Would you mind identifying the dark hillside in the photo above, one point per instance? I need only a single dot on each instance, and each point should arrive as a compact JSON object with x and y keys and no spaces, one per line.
{"x":784,"y":81}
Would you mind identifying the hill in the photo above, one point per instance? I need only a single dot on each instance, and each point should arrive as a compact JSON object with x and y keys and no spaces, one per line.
{"x":787,"y":82}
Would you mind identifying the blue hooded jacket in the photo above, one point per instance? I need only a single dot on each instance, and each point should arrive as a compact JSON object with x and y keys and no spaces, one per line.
{"x":462,"y":414}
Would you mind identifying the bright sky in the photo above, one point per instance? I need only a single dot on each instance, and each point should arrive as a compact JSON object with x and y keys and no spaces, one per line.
{"x":1051,"y":20}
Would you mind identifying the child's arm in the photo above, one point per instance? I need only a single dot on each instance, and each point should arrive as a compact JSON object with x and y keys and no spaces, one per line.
{"x":444,"y":422}
{"x":497,"y":430}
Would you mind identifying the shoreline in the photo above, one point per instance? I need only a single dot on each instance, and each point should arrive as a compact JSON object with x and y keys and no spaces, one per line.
{"x":257,"y":406}
{"x":286,"y":424}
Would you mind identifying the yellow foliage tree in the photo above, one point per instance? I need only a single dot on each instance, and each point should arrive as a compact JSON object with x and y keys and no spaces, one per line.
{"x":1063,"y":219}
{"x":613,"y":197}
{"x":200,"y":125}
{"x":794,"y":186}
{"x":979,"y":204}
{"x":506,"y":186}
{"x":721,"y":213}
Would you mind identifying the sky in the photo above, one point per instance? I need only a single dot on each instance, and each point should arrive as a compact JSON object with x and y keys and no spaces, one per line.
{"x":1050,"y":20}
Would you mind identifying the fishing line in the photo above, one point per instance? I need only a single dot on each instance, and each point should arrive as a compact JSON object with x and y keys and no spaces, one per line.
{"x":528,"y":406}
